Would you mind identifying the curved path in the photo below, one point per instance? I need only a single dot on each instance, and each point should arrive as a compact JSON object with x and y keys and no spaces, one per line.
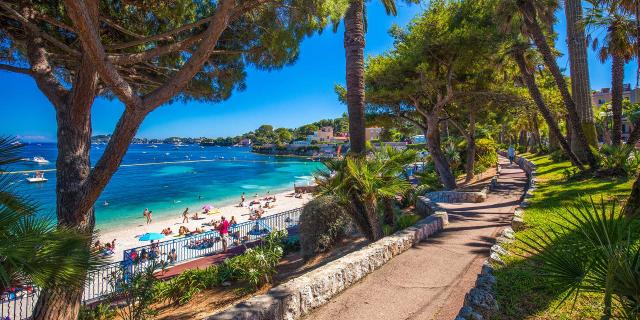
{"x":431,"y":280}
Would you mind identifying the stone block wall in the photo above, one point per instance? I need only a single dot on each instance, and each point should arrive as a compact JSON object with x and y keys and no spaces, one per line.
{"x":297,"y":297}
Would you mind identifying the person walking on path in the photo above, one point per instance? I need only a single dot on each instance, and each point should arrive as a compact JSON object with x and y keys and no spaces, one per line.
{"x":511,"y":153}
{"x":185,"y":215}
{"x":223,"y":229}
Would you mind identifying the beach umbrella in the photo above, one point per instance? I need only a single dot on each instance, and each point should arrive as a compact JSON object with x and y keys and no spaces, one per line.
{"x":207,"y":207}
{"x":151,"y":236}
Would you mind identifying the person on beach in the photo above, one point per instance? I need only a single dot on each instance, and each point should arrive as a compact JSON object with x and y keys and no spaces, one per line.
{"x":172,"y":257}
{"x":223,"y":229}
{"x":185,"y":216}
{"x":511,"y":153}
{"x":242,"y":198}
{"x":145,"y":214}
{"x":233,"y":221}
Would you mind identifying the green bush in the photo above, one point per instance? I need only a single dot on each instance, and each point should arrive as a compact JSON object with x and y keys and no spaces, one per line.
{"x":137,"y":294}
{"x":102,"y":311}
{"x":407,"y":220}
{"x":618,"y":160}
{"x":559,"y":156}
{"x":486,"y":156}
{"x":323,"y":222}
{"x":255,"y":267}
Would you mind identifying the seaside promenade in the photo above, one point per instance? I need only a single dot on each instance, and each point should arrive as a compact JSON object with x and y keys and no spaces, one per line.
{"x":431,"y":280}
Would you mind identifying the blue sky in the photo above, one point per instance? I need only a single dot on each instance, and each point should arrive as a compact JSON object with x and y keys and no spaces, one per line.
{"x":290,"y":97}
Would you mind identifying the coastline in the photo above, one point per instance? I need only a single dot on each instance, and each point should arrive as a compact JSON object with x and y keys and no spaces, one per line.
{"x":125,"y":235}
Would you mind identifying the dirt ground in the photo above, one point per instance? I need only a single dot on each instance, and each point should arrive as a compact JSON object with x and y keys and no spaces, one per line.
{"x":209,"y":301}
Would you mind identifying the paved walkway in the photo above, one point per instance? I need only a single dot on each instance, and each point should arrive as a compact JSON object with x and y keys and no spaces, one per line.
{"x":431,"y":280}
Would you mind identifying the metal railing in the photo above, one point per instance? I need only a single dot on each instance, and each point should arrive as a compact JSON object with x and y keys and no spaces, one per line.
{"x":103,"y":282}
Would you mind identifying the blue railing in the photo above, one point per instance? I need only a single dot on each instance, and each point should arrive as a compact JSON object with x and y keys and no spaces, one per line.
{"x":103,"y":282}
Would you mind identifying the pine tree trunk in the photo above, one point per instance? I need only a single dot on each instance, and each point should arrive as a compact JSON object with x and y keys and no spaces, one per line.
{"x":389,"y":215}
{"x":617,"y":80}
{"x":554,"y":143}
{"x":72,"y":171}
{"x":535,"y":94}
{"x":471,"y":148}
{"x":536,"y":132}
{"x":435,"y":149}
{"x":530,"y":20}
{"x":354,"y":49}
{"x":580,"y":88}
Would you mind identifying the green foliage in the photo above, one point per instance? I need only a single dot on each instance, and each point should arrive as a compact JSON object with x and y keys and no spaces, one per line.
{"x":137,"y":294}
{"x":358,"y":183}
{"x":32,"y":249}
{"x":102,"y":311}
{"x":254,"y":267}
{"x":521,"y":291}
{"x":486,"y":155}
{"x":323,"y":223}
{"x":618,"y":160}
{"x":559,"y":156}
{"x":407,"y":220}
{"x":593,"y":249}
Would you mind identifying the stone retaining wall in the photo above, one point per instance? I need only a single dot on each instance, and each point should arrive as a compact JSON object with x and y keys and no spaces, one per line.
{"x":297,"y":297}
{"x":458,"y":196}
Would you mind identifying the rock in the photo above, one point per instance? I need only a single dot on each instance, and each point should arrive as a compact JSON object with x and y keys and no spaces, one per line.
{"x":460,"y":318}
{"x":508,"y":233}
{"x":482,"y":301}
{"x":518,"y":223}
{"x":465,"y":312}
{"x":524,"y":204}
{"x":226,"y":284}
{"x":502,"y":240}
{"x":518,"y":212}
{"x":495,"y":258}
{"x":498,"y":249}
{"x":487,"y":268}
{"x":486,"y":282}
{"x":475,"y":316}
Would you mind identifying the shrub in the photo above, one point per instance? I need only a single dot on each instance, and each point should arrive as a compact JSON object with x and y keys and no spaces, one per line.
{"x":323,"y":222}
{"x":486,"y":156}
{"x":102,"y":311}
{"x":138,"y":294}
{"x":559,"y":156}
{"x":618,"y":160}
{"x":407,"y":220}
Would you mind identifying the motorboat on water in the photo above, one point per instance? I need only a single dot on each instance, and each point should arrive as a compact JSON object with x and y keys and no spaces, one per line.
{"x":37,"y":178}
{"x":38,"y":160}
{"x":152,"y":146}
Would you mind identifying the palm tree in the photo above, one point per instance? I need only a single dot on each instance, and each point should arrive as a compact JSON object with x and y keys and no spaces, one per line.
{"x":591,"y":249}
{"x":580,"y":88}
{"x":33,"y":251}
{"x":359,"y":183}
{"x":618,"y":43}
{"x":354,"y":43}
{"x":532,"y":11}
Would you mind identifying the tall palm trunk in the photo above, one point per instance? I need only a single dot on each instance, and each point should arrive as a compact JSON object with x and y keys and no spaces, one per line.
{"x":617,"y":79}
{"x":529,"y":12}
{"x":580,"y":88}
{"x":354,"y":49}
{"x":530,"y":82}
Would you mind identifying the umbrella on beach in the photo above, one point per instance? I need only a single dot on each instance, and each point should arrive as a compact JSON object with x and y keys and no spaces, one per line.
{"x":151,"y":236}
{"x":207,"y":207}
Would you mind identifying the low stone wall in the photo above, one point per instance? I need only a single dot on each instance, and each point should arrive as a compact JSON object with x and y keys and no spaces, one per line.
{"x":297,"y":297}
{"x":458,"y":196}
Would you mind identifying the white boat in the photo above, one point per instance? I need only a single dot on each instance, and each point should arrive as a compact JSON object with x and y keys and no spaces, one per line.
{"x":37,"y":178}
{"x":152,"y":146}
{"x":38,"y":160}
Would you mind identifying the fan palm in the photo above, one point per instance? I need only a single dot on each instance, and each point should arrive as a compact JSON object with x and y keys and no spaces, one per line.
{"x":619,"y":44}
{"x":358,"y":183}
{"x":32,"y":249}
{"x":592,"y":249}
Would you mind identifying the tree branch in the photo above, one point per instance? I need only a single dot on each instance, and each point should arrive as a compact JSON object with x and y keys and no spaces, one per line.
{"x":11,"y":68}
{"x":42,"y":72}
{"x":35,"y":30}
{"x":116,"y":26}
{"x":160,"y":36}
{"x":133,"y":58}
{"x":90,"y":40}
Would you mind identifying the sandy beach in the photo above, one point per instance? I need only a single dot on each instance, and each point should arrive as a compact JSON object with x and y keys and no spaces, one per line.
{"x":127,"y":236}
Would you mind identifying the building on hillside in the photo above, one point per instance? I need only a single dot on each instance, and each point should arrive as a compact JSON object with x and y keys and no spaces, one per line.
{"x":372,"y":133}
{"x":324,"y":135}
{"x":245,"y":142}
{"x":301,"y":143}
{"x":599,"y":98}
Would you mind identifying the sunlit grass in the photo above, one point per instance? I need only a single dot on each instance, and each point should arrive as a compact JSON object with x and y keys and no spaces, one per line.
{"x":521,"y":292}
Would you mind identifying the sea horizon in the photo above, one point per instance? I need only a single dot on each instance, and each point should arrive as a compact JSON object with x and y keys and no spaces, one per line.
{"x":167,"y":179}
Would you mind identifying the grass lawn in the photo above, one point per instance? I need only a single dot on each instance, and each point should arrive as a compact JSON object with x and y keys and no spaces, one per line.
{"x":521,"y":292}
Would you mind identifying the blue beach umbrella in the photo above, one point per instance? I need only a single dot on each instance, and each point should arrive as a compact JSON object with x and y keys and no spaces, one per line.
{"x":151,"y":236}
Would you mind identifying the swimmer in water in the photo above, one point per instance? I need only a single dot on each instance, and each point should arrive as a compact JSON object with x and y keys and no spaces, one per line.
{"x":105,"y":203}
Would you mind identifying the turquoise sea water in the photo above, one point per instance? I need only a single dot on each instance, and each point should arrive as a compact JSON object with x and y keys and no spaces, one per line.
{"x":210,"y":175}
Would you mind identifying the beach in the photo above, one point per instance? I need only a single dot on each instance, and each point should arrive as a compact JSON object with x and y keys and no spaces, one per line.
{"x":127,"y":234}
